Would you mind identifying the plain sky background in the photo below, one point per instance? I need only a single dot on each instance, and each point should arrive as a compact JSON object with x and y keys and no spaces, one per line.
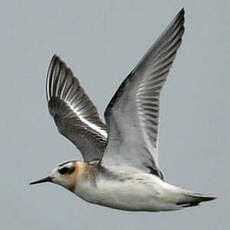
{"x":102,"y":41}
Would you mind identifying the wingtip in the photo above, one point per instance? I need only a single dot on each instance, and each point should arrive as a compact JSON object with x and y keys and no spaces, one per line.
{"x":180,"y":18}
{"x":180,"y":14}
{"x":182,"y":11}
{"x":54,"y":59}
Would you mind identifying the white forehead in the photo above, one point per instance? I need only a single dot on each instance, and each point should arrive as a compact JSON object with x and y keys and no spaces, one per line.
{"x":67,"y":164}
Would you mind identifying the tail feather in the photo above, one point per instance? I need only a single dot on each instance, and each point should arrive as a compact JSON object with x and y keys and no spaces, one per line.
{"x":193,"y":199}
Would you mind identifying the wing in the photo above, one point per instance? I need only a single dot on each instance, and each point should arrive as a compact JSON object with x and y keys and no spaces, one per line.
{"x":74,"y":114}
{"x":132,"y":115}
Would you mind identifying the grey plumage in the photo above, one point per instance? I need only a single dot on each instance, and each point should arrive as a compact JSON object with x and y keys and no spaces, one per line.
{"x":74,"y":114}
{"x":132,"y":116}
{"x":118,"y":170}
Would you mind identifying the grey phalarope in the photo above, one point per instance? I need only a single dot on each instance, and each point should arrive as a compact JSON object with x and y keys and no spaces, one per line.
{"x":120,"y":168}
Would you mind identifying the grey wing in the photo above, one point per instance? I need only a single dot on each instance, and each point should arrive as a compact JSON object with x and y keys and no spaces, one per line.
{"x":132,"y":115}
{"x":74,"y":114}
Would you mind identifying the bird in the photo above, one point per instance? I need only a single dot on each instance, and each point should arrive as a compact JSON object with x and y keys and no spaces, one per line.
{"x":120,"y":168}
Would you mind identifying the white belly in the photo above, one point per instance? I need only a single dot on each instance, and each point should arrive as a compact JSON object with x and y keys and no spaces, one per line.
{"x":138,"y":192}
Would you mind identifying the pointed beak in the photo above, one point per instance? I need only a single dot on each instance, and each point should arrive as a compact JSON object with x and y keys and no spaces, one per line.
{"x":46,"y":179}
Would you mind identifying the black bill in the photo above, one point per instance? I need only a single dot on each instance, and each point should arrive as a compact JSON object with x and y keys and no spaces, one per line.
{"x":46,"y":179}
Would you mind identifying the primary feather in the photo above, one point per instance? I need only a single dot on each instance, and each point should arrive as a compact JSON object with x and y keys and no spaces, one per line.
{"x":74,"y":114}
{"x":132,"y":116}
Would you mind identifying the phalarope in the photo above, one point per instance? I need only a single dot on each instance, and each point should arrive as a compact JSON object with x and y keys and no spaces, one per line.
{"x":120,"y":168}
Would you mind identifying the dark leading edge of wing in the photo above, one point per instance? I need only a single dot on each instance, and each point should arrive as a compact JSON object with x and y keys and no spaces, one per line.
{"x":74,"y":114}
{"x":132,"y":115}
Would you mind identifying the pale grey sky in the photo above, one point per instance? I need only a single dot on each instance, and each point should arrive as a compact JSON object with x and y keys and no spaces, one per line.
{"x":102,"y":41}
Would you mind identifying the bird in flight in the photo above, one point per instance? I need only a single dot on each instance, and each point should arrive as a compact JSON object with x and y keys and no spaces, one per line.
{"x":120,"y":168}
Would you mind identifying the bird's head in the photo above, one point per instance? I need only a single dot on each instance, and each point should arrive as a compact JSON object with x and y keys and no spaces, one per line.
{"x":65,"y":174}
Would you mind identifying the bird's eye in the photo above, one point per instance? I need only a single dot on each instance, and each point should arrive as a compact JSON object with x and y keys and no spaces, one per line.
{"x":63,"y":170}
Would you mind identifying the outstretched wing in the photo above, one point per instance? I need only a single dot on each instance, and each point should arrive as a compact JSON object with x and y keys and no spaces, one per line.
{"x":132,"y":115}
{"x":74,"y":114}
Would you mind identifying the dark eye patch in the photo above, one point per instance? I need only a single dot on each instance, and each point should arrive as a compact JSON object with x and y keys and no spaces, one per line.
{"x":63,"y":170}
{"x":66,"y":169}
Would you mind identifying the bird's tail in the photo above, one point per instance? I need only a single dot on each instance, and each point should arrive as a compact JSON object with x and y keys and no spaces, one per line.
{"x":193,"y":199}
